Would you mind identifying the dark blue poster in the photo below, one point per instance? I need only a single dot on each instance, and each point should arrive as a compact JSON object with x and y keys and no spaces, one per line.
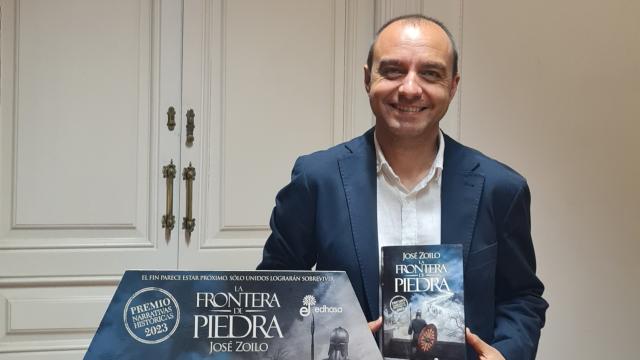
{"x":234,"y":315}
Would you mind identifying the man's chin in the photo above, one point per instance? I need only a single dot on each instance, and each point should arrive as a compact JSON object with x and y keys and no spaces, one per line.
{"x":407,"y":130}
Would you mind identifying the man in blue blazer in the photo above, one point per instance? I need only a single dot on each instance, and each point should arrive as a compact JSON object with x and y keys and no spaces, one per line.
{"x":328,"y":215}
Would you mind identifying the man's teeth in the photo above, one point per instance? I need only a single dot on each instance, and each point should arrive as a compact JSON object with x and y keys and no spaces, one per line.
{"x":408,"y":108}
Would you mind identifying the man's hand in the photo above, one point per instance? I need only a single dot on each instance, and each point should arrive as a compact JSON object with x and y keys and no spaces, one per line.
{"x":375,"y":325}
{"x":484,"y":350}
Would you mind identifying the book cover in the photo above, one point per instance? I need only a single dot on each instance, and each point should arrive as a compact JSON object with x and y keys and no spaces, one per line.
{"x":189,"y":315}
{"x":423,"y":302}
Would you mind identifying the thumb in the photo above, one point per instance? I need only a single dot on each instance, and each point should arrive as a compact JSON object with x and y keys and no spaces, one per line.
{"x":375,"y":325}
{"x":480,"y":347}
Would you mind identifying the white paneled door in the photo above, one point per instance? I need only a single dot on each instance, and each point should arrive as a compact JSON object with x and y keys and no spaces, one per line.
{"x":84,"y":85}
{"x":85,"y":92}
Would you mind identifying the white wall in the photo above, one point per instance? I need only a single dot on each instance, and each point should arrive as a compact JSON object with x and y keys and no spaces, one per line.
{"x":552,"y":89}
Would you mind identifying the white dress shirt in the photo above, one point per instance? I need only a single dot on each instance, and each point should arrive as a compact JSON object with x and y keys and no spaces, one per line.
{"x":409,"y":216}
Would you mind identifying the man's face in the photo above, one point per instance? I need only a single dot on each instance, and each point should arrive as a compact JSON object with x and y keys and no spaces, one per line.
{"x":410,"y":84}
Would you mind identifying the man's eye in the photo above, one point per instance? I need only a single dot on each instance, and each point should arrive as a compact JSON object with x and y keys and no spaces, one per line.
{"x":431,"y":75}
{"x":391,"y":73}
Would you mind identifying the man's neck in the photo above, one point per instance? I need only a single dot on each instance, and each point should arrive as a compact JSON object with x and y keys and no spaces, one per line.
{"x":410,"y":158}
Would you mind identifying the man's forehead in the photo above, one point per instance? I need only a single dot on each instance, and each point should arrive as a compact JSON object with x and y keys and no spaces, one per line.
{"x":406,"y":33}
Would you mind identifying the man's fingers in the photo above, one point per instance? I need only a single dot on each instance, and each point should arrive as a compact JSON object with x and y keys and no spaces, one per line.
{"x":375,"y":325}
{"x":481,"y":347}
{"x":484,"y":350}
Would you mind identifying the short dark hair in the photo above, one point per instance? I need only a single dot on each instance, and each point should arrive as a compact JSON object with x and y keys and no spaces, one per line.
{"x":415,"y":19}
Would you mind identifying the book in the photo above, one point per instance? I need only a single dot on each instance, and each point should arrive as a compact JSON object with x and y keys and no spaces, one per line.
{"x":274,"y":315}
{"x":423,"y":302}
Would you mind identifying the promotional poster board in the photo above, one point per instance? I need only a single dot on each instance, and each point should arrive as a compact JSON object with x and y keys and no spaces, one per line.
{"x":271,"y":315}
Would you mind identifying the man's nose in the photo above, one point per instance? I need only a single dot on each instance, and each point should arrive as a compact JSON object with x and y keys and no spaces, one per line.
{"x":410,"y":89}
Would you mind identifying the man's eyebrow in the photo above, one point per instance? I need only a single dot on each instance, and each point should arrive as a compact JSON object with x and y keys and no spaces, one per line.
{"x":389,"y":62}
{"x":434,"y":65}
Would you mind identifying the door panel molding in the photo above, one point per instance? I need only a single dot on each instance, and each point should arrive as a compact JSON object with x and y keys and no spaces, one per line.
{"x":26,"y":231}
{"x":79,"y":189}
{"x":36,"y":86}
{"x":42,"y":318}
{"x":50,"y":315}
{"x":33,"y":282}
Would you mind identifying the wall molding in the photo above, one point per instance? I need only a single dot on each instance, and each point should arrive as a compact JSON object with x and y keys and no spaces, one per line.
{"x":56,"y":281}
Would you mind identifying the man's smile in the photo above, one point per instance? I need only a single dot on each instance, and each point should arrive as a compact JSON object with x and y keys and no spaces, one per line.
{"x":407,"y":109}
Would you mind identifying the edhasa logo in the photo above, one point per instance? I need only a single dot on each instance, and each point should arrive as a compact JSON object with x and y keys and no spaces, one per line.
{"x":309,"y":300}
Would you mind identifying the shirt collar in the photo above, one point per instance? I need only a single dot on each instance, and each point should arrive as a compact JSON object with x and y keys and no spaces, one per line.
{"x":382,"y":165}
{"x":438,"y":162}
{"x":436,"y":168}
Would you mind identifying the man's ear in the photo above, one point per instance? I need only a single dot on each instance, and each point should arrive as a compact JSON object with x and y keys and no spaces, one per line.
{"x":367,"y":78}
{"x":454,"y":85}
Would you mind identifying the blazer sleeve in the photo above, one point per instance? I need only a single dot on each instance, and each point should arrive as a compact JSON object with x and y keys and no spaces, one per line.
{"x":291,"y":245}
{"x":520,"y":308}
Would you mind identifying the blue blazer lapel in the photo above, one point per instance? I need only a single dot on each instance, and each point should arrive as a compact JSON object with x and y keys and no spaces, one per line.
{"x":460,"y":195}
{"x":358,"y":172}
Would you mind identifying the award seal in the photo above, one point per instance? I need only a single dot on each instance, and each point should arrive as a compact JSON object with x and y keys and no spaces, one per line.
{"x":151,"y":315}
{"x":398,"y":304}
